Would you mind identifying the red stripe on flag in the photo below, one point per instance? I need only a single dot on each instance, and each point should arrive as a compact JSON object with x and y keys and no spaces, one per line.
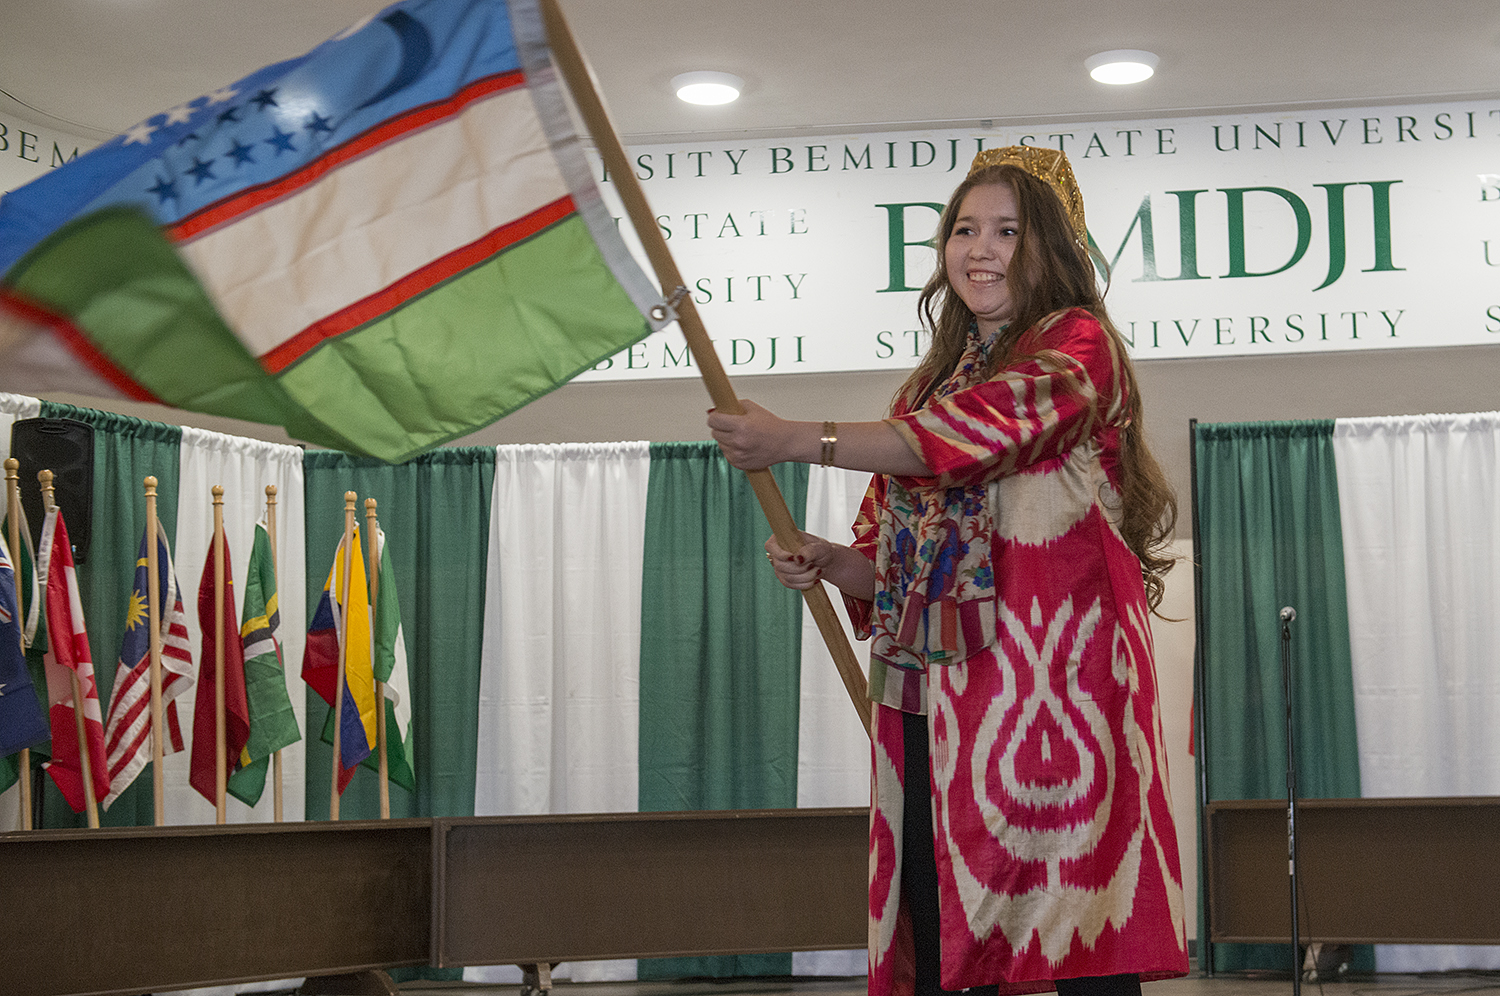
{"x":417,"y":282}
{"x":393,"y":128}
{"x":76,"y":343}
{"x":128,"y":694}
{"x":122,"y":754}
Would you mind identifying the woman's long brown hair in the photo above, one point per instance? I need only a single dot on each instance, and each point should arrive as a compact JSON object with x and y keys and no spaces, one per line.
{"x":1049,"y":273}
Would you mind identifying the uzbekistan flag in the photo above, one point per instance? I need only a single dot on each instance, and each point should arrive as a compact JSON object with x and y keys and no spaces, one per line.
{"x":382,"y":245}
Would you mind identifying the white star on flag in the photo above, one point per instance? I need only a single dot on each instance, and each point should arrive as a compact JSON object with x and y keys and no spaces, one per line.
{"x":139,"y":135}
{"x":179,"y":114}
{"x":222,"y":95}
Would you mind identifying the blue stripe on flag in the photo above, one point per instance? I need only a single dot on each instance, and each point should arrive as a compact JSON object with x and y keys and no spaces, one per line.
{"x":274,"y":121}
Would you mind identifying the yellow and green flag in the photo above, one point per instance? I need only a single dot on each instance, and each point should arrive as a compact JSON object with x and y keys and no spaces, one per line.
{"x":273,"y":724}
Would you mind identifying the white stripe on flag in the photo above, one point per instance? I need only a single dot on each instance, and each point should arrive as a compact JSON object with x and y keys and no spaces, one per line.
{"x":377,"y":218}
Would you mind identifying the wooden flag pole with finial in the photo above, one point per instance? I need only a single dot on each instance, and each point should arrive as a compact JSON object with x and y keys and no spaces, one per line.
{"x":373,"y":543}
{"x":221,"y":740}
{"x":84,"y":764}
{"x":575,"y":72}
{"x":276,"y":776}
{"x":338,"y":688}
{"x":13,"y":528}
{"x":153,"y":598}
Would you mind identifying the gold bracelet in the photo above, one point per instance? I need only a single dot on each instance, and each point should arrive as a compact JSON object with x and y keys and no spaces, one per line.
{"x":830,"y":439}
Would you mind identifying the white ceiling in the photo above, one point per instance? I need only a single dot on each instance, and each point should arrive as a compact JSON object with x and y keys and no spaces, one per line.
{"x":97,"y":67}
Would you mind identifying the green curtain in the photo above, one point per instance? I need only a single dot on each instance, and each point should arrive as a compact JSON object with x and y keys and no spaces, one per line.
{"x":126,"y":451}
{"x":435,"y":511}
{"x":1269,"y":536}
{"x":720,"y":654}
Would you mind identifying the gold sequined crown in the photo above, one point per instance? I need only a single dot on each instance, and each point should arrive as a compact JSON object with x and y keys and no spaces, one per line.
{"x":1048,"y":165}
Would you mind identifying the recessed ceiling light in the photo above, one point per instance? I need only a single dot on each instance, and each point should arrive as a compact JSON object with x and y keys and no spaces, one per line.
{"x":1122,"y":65}
{"x":705,"y":87}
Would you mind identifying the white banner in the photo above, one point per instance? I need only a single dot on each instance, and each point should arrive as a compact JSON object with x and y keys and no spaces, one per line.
{"x":28,"y":150}
{"x":1364,"y":228}
{"x":1370,"y":228}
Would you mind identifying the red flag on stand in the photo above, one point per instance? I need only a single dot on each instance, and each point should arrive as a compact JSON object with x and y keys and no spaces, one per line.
{"x":236,"y":705}
{"x":67,"y":655}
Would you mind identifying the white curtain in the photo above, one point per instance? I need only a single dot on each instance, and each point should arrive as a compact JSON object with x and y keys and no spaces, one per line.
{"x":243,"y":467}
{"x":1420,"y":501}
{"x":833,"y":750}
{"x":13,"y":407}
{"x":559,"y":686}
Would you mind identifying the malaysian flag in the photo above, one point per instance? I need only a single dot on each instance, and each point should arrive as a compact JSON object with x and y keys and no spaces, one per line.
{"x":127,"y":735}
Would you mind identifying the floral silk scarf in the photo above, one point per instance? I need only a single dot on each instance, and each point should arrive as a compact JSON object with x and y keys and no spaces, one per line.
{"x":935,"y":600}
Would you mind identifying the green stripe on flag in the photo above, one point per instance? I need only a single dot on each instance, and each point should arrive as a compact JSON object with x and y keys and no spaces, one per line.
{"x":447,"y":362}
{"x":115,"y":276}
{"x":472,"y":349}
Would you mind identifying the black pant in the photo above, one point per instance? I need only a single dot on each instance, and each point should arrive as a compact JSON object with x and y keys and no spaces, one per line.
{"x":919,"y":883}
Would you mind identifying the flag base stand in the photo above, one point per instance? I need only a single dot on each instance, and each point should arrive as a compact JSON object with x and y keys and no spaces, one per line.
{"x":374,"y":982}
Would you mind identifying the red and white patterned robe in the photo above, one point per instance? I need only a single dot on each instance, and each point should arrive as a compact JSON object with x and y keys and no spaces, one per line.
{"x":1011,"y":611}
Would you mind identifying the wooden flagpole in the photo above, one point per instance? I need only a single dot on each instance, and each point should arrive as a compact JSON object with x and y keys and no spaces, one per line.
{"x":153,"y":598}
{"x":575,"y":72}
{"x":338,"y":688}
{"x":221,"y":745}
{"x":13,"y":527}
{"x":84,"y":764}
{"x":271,"y":535}
{"x":374,"y":575}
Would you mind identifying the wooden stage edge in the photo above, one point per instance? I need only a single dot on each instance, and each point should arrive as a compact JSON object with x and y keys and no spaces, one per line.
{"x":120,"y":912}
{"x":1369,"y":871}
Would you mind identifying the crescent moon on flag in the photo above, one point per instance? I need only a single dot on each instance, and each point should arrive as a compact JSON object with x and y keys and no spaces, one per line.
{"x":416,"y":50}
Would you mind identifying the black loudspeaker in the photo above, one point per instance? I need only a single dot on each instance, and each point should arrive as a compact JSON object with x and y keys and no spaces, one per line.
{"x":64,"y":446}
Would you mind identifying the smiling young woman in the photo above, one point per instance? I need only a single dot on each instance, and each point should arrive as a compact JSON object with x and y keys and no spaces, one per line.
{"x":978,"y":251}
{"x":1005,"y":563}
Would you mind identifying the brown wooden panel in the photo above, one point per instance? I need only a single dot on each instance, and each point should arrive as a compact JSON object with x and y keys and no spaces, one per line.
{"x":140,"y":910}
{"x":539,"y":889}
{"x":1388,"y":871}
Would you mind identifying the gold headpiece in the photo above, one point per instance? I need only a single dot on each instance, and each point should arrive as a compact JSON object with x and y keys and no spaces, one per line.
{"x":1048,"y":165}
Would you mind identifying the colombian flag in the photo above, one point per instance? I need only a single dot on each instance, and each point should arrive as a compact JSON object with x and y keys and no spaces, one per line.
{"x":320,"y":656}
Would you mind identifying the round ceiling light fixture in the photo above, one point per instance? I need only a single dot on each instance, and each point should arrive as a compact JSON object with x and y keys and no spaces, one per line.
{"x":1121,"y":66}
{"x":707,"y":87}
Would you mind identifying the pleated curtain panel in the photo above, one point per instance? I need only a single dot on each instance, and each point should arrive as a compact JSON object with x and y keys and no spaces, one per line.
{"x":1384,"y":535}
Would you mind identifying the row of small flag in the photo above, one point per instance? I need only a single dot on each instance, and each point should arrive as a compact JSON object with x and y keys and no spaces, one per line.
{"x":40,"y":607}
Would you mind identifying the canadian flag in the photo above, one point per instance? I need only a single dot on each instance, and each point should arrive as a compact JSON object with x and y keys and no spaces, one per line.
{"x":67,"y":655}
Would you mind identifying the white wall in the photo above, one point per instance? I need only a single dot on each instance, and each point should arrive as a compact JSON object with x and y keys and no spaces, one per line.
{"x":1174,"y":643}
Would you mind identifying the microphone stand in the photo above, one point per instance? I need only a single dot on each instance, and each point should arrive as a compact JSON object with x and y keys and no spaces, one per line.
{"x":1287,"y":615}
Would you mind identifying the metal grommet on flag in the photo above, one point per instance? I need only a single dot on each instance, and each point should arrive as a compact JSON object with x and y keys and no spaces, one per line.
{"x":667,"y":310}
